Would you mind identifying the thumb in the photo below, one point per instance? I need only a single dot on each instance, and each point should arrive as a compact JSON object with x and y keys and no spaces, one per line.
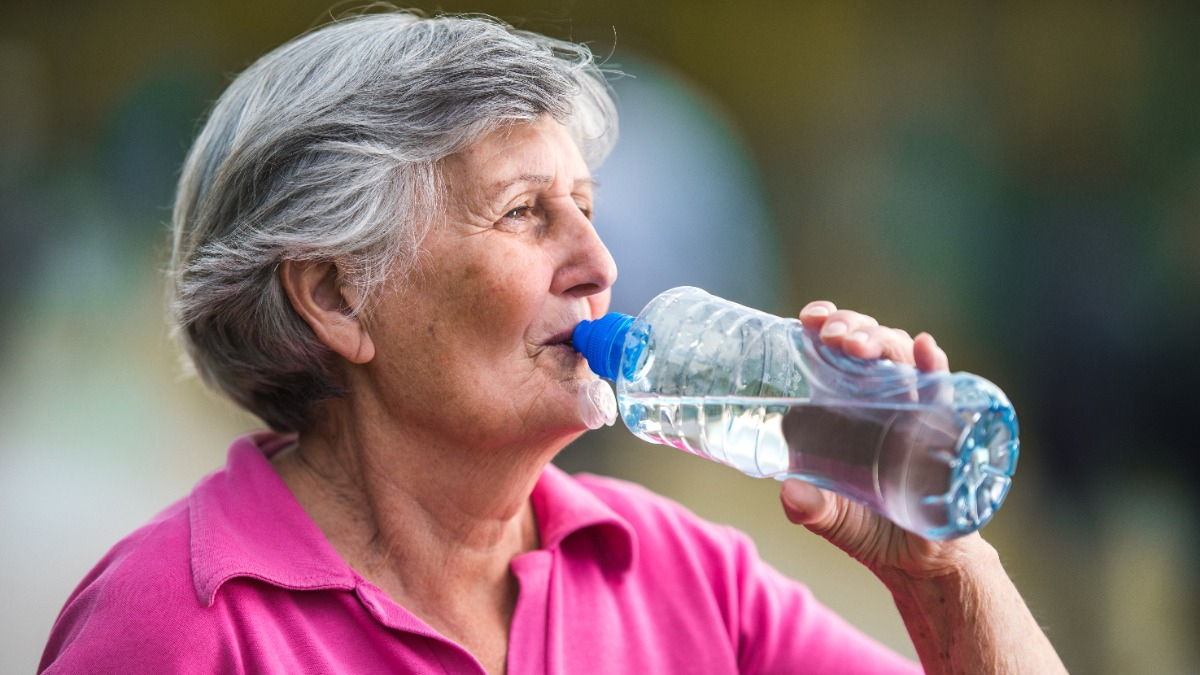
{"x":854,"y":528}
{"x":806,"y":504}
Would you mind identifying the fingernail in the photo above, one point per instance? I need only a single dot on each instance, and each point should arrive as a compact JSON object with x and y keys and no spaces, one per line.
{"x":817,"y":310}
{"x":834,"y":328}
{"x":857,"y":336}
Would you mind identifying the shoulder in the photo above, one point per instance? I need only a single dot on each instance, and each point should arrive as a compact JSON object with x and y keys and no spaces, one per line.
{"x":137,"y":610}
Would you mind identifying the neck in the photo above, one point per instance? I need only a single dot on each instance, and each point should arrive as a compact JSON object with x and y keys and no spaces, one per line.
{"x":434,"y":526}
{"x":409,"y":509}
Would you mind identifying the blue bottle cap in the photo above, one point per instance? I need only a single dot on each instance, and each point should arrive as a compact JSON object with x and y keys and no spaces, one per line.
{"x":600,"y":342}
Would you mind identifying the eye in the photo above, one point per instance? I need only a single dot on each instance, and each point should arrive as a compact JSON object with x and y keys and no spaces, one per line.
{"x":519,"y":212}
{"x":585,"y":208}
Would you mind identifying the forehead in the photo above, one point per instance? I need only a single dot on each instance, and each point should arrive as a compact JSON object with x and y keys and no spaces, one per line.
{"x":541,"y":152}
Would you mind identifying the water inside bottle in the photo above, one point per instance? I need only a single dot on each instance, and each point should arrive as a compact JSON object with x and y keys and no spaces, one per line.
{"x":916,"y":464}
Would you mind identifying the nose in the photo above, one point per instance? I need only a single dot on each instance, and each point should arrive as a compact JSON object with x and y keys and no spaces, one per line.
{"x":587,"y":268}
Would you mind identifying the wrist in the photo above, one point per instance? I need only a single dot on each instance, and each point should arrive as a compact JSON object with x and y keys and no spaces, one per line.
{"x":945,"y":566}
{"x":945,"y":605}
{"x":964,"y":615}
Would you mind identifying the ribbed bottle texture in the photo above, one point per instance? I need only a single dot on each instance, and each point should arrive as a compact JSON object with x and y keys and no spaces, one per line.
{"x":933,"y":452}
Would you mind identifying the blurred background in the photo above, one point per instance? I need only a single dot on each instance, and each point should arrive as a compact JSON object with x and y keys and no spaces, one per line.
{"x":1020,"y":179}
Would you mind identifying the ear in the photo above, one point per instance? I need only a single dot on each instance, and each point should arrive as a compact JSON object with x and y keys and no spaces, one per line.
{"x":324,"y":302}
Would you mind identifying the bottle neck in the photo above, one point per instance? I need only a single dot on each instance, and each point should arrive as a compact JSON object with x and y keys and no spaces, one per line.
{"x":601,"y":342}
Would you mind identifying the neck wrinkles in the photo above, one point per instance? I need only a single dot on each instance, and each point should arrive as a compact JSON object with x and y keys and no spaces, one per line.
{"x":411,"y":510}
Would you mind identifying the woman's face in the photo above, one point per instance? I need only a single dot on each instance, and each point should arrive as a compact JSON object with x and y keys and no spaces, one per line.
{"x":475,"y":343}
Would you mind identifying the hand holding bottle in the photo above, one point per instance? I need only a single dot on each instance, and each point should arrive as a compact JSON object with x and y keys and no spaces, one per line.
{"x":862,"y":533}
{"x":963,"y":613}
{"x":933,"y":452}
{"x":867,"y":411}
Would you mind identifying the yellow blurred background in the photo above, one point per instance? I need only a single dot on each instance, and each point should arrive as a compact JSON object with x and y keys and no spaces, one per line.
{"x":1020,"y":179}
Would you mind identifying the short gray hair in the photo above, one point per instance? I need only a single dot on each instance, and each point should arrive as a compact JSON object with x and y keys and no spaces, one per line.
{"x":328,"y":149}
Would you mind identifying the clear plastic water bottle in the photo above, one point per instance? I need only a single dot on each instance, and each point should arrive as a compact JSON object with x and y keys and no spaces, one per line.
{"x":932,"y":452}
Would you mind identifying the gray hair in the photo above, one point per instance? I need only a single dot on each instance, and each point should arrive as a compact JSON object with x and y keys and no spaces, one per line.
{"x":328,"y":149}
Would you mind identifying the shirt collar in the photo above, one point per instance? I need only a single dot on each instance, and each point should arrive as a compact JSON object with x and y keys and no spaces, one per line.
{"x":566,"y":510}
{"x":245,"y":522}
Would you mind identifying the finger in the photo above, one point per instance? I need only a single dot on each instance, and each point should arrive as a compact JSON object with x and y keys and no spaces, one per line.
{"x":873,"y":342}
{"x":928,"y":356}
{"x":815,"y":313}
{"x":843,"y":323}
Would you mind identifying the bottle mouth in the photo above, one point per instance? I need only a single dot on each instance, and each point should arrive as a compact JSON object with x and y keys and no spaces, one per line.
{"x":601,"y":342}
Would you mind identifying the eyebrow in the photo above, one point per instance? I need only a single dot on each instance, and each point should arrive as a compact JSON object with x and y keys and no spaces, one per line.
{"x":540,"y":180}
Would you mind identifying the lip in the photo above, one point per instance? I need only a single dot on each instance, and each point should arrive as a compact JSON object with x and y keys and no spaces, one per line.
{"x":563,"y":337}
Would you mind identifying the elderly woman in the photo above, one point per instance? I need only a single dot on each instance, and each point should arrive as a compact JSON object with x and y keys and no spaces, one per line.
{"x":383,"y":239}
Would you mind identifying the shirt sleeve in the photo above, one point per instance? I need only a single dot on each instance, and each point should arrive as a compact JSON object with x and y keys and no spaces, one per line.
{"x":137,"y":613}
{"x":782,"y":628}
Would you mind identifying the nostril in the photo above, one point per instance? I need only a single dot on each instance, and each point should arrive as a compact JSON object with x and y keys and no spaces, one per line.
{"x":584,"y":290}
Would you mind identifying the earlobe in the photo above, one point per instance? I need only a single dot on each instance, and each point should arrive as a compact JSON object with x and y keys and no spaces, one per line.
{"x":320,"y":297}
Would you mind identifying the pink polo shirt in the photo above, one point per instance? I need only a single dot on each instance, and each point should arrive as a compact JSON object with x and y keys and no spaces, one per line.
{"x":237,"y":579}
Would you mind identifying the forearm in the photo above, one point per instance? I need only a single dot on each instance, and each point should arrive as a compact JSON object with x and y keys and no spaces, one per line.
{"x":972,"y":620}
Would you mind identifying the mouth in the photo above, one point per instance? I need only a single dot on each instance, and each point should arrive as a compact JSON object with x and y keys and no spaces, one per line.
{"x":561,"y":345}
{"x":561,"y":339}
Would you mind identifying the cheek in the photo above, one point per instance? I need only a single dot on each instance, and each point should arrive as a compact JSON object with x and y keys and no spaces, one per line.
{"x":479,"y":289}
{"x":500,"y":296}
